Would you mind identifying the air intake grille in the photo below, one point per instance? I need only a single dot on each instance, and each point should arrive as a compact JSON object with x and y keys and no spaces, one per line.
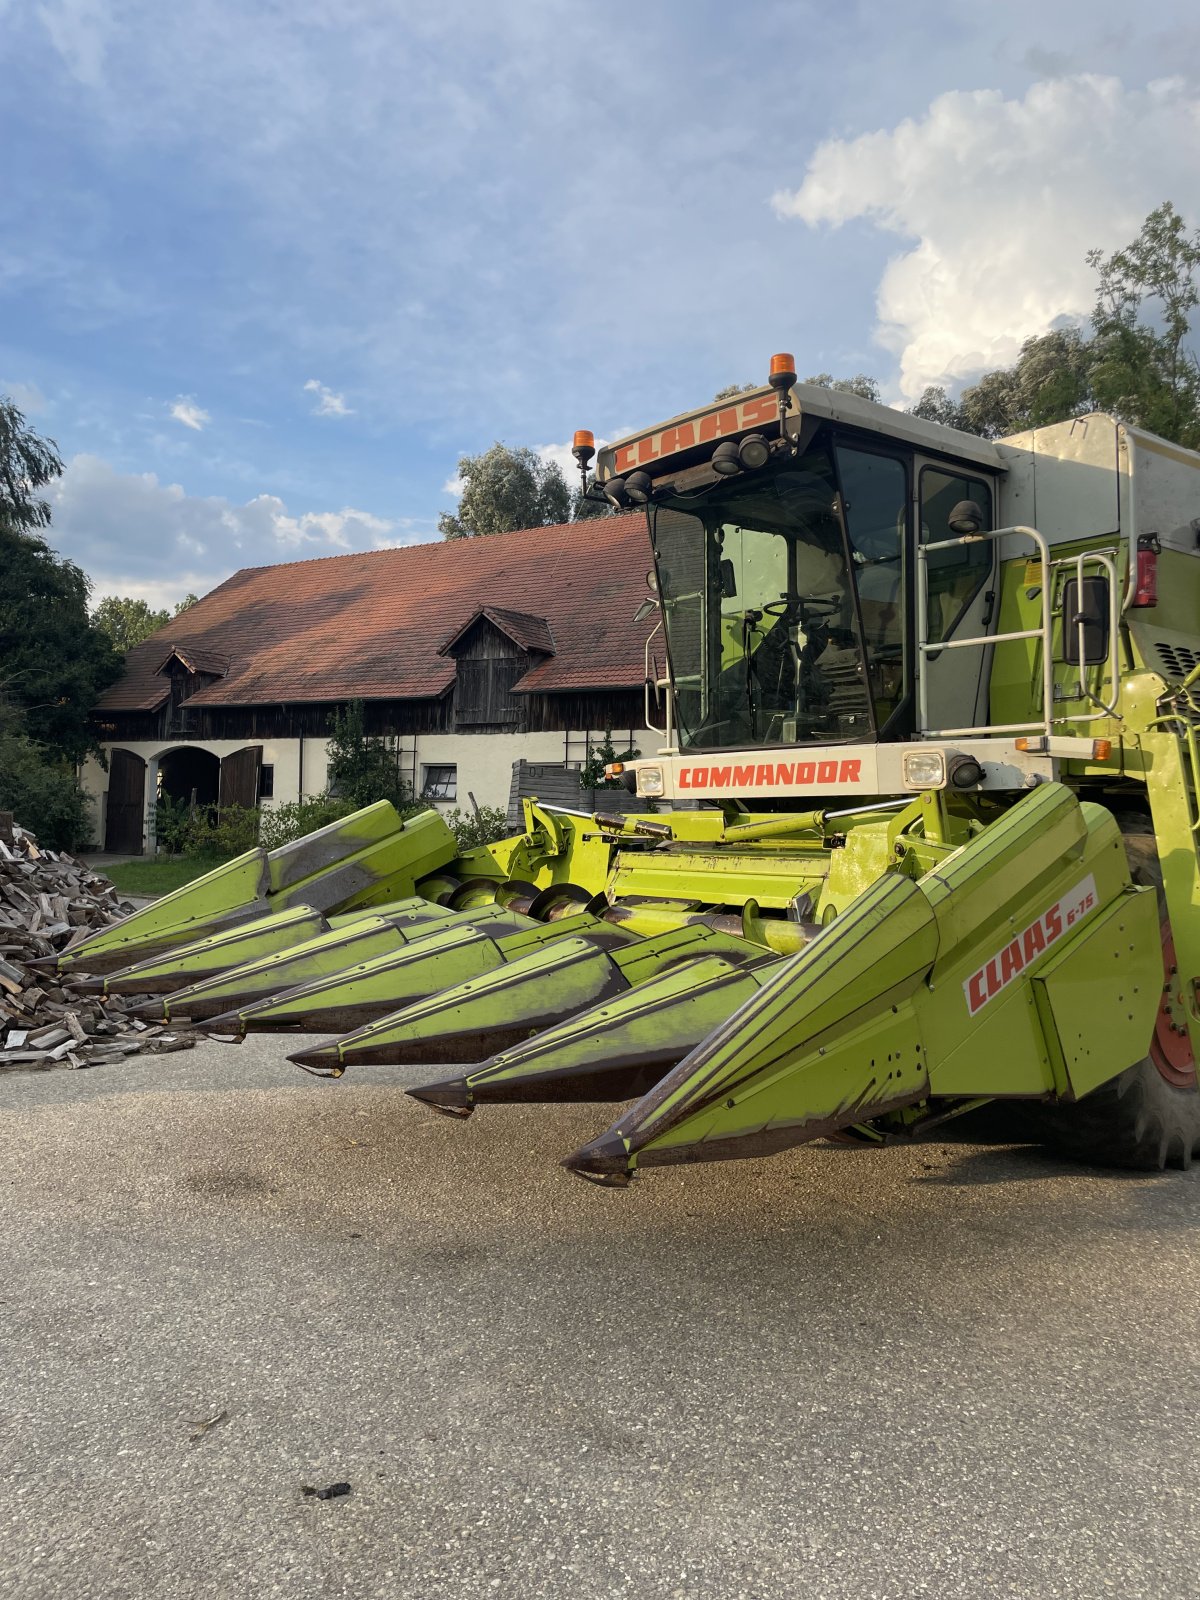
{"x":1178,"y":661}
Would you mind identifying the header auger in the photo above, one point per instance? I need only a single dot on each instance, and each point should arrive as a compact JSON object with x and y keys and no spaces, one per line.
{"x":922,"y":831}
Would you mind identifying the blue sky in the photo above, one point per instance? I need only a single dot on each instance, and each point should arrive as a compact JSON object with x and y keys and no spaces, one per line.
{"x":268,"y":269}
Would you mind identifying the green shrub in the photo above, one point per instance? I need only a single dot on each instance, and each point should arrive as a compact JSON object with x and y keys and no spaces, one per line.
{"x":360,"y":767}
{"x":42,"y":793}
{"x":172,"y":819}
{"x":591,"y":774}
{"x":280,"y":824}
{"x":229,"y":831}
{"x":472,"y":829}
{"x":204,"y":832}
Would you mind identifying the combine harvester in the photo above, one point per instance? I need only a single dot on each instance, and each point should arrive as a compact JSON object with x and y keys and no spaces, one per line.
{"x":922,"y":832}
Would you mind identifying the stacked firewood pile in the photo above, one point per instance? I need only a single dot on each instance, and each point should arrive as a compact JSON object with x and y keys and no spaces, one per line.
{"x":47,"y":899}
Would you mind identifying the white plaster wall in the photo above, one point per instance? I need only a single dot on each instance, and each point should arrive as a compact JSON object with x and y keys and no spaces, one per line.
{"x":282,"y":754}
{"x":93,"y":780}
{"x":484,"y":761}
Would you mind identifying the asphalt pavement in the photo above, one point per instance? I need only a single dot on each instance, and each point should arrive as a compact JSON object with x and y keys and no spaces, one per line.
{"x":942,"y":1371}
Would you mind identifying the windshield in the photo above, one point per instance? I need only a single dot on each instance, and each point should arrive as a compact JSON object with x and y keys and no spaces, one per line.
{"x":761,"y":615}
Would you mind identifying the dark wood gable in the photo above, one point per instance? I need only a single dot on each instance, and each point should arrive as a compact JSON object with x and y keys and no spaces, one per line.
{"x":187,"y":672}
{"x":490,"y":655}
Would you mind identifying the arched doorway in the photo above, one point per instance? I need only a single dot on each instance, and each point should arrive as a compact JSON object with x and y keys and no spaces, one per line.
{"x":125,"y":816}
{"x":190,"y":774}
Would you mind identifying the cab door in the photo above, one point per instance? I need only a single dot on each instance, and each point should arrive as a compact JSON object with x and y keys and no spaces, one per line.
{"x":962,"y":595}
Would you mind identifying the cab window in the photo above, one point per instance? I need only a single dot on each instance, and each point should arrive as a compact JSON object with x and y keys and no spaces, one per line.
{"x":955,"y":576}
{"x":875,"y":501}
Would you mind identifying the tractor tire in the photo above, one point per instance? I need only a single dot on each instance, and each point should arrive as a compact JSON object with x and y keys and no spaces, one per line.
{"x":1148,"y":1117}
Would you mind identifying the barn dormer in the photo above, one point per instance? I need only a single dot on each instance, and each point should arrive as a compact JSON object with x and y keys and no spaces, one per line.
{"x":491,"y":651}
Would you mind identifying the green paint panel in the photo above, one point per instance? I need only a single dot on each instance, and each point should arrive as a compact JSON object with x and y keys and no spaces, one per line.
{"x":251,"y":941}
{"x":610,"y":1051}
{"x":961,"y":984}
{"x":551,"y":986}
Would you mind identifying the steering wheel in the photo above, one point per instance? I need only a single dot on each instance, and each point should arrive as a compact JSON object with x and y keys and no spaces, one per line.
{"x":822,"y":605}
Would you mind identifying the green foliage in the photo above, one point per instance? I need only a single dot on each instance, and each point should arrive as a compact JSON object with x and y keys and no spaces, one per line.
{"x":280,"y":824}
{"x":591,"y":773}
{"x":474,"y":828}
{"x":361,"y":768}
{"x":505,"y":489}
{"x":54,"y":662}
{"x":583,"y":509}
{"x":732,"y":390}
{"x":204,"y":832}
{"x":27,"y":463}
{"x":128,"y":621}
{"x":1135,"y":363}
{"x":865,"y":388}
{"x":1141,"y":367}
{"x":172,"y":822}
{"x":42,"y":793}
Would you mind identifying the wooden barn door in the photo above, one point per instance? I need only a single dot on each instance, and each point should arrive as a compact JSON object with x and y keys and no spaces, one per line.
{"x":239,"y":777}
{"x":126,"y":803}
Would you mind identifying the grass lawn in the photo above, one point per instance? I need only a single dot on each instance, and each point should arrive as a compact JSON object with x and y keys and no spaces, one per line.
{"x":157,"y":877}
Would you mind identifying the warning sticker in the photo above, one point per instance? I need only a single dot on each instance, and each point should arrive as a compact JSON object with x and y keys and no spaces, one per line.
{"x":1020,"y":952}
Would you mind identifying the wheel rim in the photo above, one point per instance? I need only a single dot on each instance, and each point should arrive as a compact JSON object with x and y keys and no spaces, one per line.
{"x":1171,"y":1047}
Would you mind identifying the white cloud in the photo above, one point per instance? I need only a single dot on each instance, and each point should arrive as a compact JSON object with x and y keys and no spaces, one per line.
{"x":135,"y":535}
{"x":27,"y":397}
{"x":1003,"y":199}
{"x":328,"y":403}
{"x":453,"y":487}
{"x":185,"y":410}
{"x":560,"y":455}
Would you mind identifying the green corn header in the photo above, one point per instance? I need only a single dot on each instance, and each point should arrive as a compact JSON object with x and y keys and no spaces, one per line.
{"x":921,"y":833}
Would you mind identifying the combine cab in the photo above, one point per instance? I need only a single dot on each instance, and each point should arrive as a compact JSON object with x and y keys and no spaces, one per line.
{"x":922,"y":830}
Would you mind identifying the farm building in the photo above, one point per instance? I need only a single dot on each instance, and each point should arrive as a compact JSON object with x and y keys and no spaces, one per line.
{"x":469,"y":655}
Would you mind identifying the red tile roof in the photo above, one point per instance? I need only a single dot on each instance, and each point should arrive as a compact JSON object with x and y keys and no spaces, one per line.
{"x":369,"y":626}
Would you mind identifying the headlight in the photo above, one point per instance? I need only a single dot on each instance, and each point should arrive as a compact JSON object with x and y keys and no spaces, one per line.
{"x":924,"y":769}
{"x":650,"y":780}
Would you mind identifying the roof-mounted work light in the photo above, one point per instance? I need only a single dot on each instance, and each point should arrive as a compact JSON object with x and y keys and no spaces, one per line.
{"x":754,"y":452}
{"x":638,"y":486}
{"x":583,"y":448}
{"x":782,"y":378}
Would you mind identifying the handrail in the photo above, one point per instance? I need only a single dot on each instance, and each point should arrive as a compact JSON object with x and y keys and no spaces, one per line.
{"x":651,"y":680}
{"x":1045,"y":633}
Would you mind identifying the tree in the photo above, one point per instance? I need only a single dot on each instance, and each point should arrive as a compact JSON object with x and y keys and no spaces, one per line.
{"x":360,"y":767}
{"x":865,"y":388}
{"x":583,"y":508}
{"x":128,"y":621}
{"x":505,"y":489}
{"x":54,"y":661}
{"x":27,"y":463}
{"x":732,"y":389}
{"x":1141,"y":368}
{"x":1135,"y":363}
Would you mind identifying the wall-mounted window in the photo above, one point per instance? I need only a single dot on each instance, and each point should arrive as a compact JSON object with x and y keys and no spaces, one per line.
{"x":440,"y":783}
{"x":266,"y":781}
{"x":580,"y":746}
